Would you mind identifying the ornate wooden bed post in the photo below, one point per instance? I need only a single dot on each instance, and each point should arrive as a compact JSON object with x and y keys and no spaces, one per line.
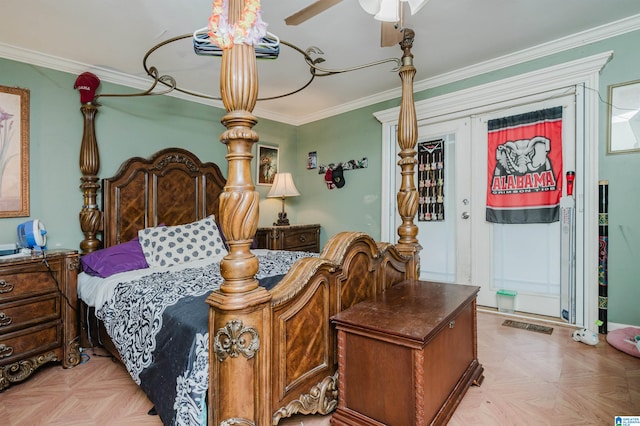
{"x":407,"y":138}
{"x":90,"y":216}
{"x":239,"y":319}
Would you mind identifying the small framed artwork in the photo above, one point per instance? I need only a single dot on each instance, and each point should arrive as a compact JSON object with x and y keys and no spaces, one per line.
{"x":267,"y":164}
{"x":312,"y":160}
{"x":14,"y":152}
{"x":624,"y":118}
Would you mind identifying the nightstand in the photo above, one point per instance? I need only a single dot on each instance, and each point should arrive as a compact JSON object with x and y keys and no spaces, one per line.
{"x":38,"y":313}
{"x":290,"y":237}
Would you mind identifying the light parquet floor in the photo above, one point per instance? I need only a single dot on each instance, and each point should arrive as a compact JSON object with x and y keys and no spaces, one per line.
{"x":530,"y":379}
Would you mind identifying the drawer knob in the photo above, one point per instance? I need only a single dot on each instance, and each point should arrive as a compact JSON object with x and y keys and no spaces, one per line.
{"x":4,"y":320}
{"x":5,"y":287}
{"x":452,"y":323}
{"x":5,"y":351}
{"x":303,"y":238}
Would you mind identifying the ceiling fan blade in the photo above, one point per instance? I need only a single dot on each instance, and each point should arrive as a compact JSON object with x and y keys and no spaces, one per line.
{"x":310,"y":11}
{"x":390,"y":34}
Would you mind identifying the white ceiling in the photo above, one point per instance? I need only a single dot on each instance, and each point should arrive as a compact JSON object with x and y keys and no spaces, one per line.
{"x":110,"y":38}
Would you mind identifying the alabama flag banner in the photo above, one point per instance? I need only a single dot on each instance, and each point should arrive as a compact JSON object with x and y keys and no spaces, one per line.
{"x":525,"y":167}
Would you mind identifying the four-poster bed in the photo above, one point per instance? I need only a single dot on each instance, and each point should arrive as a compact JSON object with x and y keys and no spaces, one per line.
{"x":272,"y":352}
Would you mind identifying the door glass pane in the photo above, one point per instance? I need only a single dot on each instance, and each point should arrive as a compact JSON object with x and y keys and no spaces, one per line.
{"x":526,"y":258}
{"x":438,"y":255}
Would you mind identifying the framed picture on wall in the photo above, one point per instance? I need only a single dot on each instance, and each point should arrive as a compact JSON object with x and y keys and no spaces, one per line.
{"x":624,"y":117}
{"x":267,"y":164}
{"x":312,"y":160}
{"x":14,"y":152}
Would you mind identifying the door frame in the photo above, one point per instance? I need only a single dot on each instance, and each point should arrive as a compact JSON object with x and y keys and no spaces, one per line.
{"x":579,"y":75}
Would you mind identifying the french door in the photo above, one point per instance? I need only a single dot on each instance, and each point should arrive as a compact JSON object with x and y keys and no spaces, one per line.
{"x":459,"y":245}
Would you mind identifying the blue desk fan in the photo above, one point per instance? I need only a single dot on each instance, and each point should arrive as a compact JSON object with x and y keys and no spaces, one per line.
{"x":32,"y":235}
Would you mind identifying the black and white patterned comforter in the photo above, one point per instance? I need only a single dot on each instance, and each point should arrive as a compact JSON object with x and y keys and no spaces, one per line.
{"x":159,"y":324}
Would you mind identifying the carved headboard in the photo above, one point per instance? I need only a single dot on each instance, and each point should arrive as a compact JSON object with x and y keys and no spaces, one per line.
{"x":172,"y":187}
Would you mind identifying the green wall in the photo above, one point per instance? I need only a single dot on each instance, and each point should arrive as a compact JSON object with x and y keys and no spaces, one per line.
{"x":141,"y":126}
{"x":125,"y":127}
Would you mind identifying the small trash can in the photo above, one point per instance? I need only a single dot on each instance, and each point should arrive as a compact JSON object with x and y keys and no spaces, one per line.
{"x":506,"y":300}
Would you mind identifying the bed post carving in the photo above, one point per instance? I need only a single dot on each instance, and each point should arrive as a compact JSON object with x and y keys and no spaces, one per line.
{"x":239,"y":387}
{"x":90,"y":216}
{"x":407,"y":138}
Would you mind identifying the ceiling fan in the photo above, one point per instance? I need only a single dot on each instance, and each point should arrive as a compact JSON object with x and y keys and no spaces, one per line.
{"x":390,"y":12}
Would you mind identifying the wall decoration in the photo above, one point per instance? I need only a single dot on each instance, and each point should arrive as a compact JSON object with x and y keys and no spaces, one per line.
{"x":624,"y":118}
{"x":524,"y":167}
{"x":431,"y":181}
{"x":267,"y":164}
{"x":312,"y":160}
{"x":346,"y":165}
{"x":14,"y":152}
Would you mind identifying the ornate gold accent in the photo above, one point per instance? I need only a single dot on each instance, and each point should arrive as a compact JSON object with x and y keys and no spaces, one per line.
{"x":5,"y":320}
{"x":73,"y":354}
{"x":21,"y":370}
{"x":231,"y":341}
{"x":74,"y":264}
{"x":5,"y":351}
{"x":5,"y":287}
{"x":237,"y":421}
{"x":176,"y":158}
{"x":321,"y":399}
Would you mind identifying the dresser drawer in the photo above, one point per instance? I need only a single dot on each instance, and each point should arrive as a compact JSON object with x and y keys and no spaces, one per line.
{"x":301,"y":239}
{"x":27,"y":312}
{"x":20,"y":283}
{"x":24,"y":343}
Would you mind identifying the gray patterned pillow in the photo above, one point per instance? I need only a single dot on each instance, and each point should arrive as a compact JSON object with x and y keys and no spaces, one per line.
{"x":171,"y":245}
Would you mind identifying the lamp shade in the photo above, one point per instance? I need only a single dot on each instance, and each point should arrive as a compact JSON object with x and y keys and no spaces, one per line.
{"x":283,"y":186}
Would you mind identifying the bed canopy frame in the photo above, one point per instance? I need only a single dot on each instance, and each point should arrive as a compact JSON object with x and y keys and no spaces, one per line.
{"x":240,"y":317}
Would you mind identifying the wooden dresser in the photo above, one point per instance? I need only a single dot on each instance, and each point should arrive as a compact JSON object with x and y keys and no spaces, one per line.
{"x":290,"y":237}
{"x":408,"y":356}
{"x":38,"y":313}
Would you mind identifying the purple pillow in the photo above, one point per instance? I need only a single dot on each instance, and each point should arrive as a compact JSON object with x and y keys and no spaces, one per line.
{"x":119,"y":258}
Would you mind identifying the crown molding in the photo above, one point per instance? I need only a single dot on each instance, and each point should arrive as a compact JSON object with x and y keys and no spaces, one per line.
{"x":593,"y":35}
{"x":619,"y":27}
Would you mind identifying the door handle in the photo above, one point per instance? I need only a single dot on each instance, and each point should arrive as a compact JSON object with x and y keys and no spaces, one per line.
{"x":465,"y":215}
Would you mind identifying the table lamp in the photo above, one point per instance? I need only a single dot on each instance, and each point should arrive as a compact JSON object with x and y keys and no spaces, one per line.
{"x":283,"y":187}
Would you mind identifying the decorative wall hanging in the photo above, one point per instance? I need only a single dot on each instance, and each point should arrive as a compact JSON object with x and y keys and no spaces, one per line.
{"x":431,"y":181}
{"x":346,"y":165}
{"x":524,"y":183}
{"x":14,"y":152}
{"x":267,"y":164}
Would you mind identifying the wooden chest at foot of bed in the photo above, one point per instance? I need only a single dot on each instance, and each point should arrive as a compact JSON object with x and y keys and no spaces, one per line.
{"x":38,"y":313}
{"x":407,"y":356}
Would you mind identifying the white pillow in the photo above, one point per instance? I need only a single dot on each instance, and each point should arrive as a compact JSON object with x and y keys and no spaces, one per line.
{"x":171,"y":245}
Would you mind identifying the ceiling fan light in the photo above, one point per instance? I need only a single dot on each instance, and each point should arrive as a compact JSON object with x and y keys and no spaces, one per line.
{"x":389,"y":11}
{"x":370,"y":6}
{"x":415,"y":5}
